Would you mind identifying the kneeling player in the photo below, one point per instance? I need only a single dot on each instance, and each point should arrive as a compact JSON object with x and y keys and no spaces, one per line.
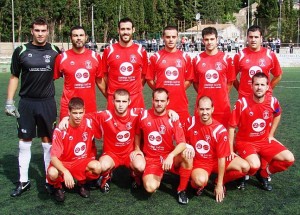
{"x":73,"y":153}
{"x":211,"y":149}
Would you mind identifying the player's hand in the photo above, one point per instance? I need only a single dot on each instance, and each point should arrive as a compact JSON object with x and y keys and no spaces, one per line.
{"x":173,"y":115}
{"x":11,"y":110}
{"x":231,"y":156}
{"x":135,"y":153}
{"x":219,"y":193}
{"x":168,"y":162}
{"x":64,"y":123}
{"x":68,"y":178}
{"x":271,"y":138}
{"x":189,"y":152}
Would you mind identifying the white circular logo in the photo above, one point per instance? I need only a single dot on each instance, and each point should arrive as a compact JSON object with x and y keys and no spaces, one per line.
{"x":154,"y":138}
{"x":126,"y":69}
{"x":253,"y":70}
{"x":202,"y":147}
{"x":172,"y":73}
{"x":123,"y":136}
{"x":258,"y":125}
{"x":212,"y":76}
{"x":82,"y":75}
{"x":80,"y":148}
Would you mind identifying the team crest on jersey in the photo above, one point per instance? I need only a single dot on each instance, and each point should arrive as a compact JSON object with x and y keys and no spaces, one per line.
{"x":72,"y":63}
{"x":148,"y":123}
{"x":203,"y":65}
{"x":117,"y":56}
{"x":266,"y":115}
{"x":88,"y":64}
{"x":70,"y":137}
{"x":218,"y":66}
{"x":178,"y":63}
{"x":132,"y":58}
{"x":47,"y":58}
{"x":162,"y":129}
{"x":164,"y":61}
{"x":29,"y":55}
{"x":207,"y":138}
{"x":262,"y":62}
{"x":128,"y":125}
{"x":84,"y":136}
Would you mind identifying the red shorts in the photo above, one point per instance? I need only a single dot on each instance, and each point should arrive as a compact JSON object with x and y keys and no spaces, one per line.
{"x":119,"y":160}
{"x":209,"y":166}
{"x":264,"y":149}
{"x":137,"y":101}
{"x":77,"y":168}
{"x":154,"y":166}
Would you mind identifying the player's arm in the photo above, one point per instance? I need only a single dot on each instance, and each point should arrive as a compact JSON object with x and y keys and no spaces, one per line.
{"x":100,"y":82}
{"x":275,"y":81}
{"x":151,"y":84}
{"x":229,"y":86}
{"x":196,"y":86}
{"x":68,"y":178}
{"x":187,"y":84}
{"x":12,"y":87}
{"x":219,"y":190}
{"x":143,"y":80}
{"x":168,"y":162}
{"x":137,"y":147}
{"x":274,"y":126}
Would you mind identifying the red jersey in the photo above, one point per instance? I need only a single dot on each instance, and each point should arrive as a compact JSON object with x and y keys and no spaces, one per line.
{"x":248,"y":63}
{"x":80,"y":72}
{"x":212,"y":73}
{"x":209,"y":141}
{"x":170,"y":70}
{"x":254,"y":120}
{"x":159,"y":133}
{"x":125,"y":67}
{"x":74,"y":143}
{"x":118,"y":132}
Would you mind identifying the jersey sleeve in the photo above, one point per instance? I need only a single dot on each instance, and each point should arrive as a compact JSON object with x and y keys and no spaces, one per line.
{"x":235,"y":115}
{"x":236,"y":62}
{"x":57,"y":143}
{"x":178,"y":132}
{"x":104,"y":65}
{"x":99,"y":72}
{"x":57,"y":67}
{"x":276,"y":70}
{"x":15,"y":67}
{"x":150,"y":75}
{"x":231,"y":74}
{"x":196,"y":75}
{"x":145,"y":62}
{"x":189,"y":73}
{"x":277,"y":107}
{"x":223,"y":147}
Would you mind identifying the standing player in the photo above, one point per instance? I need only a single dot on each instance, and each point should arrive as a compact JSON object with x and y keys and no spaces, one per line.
{"x":257,"y":117}
{"x":253,"y":59}
{"x":72,"y":154}
{"x":212,"y":151}
{"x":171,"y":69}
{"x":125,"y":65}
{"x":34,"y":63}
{"x":81,"y":69}
{"x":214,"y":76}
{"x":160,"y":153}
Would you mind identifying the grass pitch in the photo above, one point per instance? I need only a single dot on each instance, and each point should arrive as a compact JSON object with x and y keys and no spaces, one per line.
{"x":284,"y":199}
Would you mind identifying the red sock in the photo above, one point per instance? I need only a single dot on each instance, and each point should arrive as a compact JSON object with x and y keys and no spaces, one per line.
{"x":232,"y":175}
{"x":252,"y":171}
{"x":184,"y":175}
{"x":263,"y":163}
{"x":279,"y":166}
{"x":56,"y":183}
{"x":91,"y":176}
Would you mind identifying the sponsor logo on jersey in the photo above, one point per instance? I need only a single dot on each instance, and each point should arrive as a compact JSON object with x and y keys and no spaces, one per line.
{"x":247,"y":60}
{"x":80,"y":148}
{"x":29,"y":55}
{"x":148,"y":123}
{"x":258,"y":125}
{"x":203,"y":65}
{"x":82,"y":75}
{"x":72,"y":63}
{"x":126,"y":69}
{"x":70,"y":137}
{"x":88,"y":64}
{"x":117,"y":56}
{"x":172,"y":73}
{"x":47,"y":58}
{"x":154,"y":138}
{"x":133,"y":58}
{"x":253,"y":70}
{"x":123,"y":136}
{"x":164,"y":61}
{"x":202,"y":147}
{"x":195,"y":133}
{"x":178,"y":63}
{"x":24,"y":131}
{"x":212,"y":76}
{"x":251,"y":113}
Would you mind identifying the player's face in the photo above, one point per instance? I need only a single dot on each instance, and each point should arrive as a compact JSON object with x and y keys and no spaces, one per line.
{"x":210,"y":42}
{"x":121,"y":104}
{"x":78,"y":38}
{"x":160,"y":102}
{"x":260,"y":87}
{"x":205,"y":111}
{"x":125,"y":32}
{"x":254,"y":40}
{"x":170,"y":39}
{"x":76,"y":116}
{"x":40,"y":34}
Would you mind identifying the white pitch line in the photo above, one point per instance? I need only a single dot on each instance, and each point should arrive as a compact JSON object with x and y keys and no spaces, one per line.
{"x":288,"y":87}
{"x":290,"y":81}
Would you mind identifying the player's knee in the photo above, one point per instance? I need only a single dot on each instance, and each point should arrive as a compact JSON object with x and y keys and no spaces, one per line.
{"x":140,"y":167}
{"x":200,"y":180}
{"x":95,"y":167}
{"x":245,"y":166}
{"x":290,"y":157}
{"x":105,"y":166}
{"x":52,"y":173}
{"x":150,"y":186}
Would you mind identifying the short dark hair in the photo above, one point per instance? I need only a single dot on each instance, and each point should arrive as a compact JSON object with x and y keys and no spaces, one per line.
{"x":260,"y":75}
{"x":126,"y":19}
{"x":254,"y":28}
{"x":169,"y":27}
{"x":39,"y":21}
{"x":76,"y":103}
{"x":121,"y":92}
{"x":209,"y":30}
{"x":160,"y":90}
{"x":205,"y":97}
{"x":77,"y":27}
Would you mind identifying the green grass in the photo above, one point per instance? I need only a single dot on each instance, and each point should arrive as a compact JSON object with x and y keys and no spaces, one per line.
{"x":284,"y":199}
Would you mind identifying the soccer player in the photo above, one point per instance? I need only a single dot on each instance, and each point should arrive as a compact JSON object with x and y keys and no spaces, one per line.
{"x":257,"y":117}
{"x":33,"y":63}
{"x":125,"y":65}
{"x":160,"y":153}
{"x":72,"y":154}
{"x":171,"y":69}
{"x":81,"y":69}
{"x":214,"y":76}
{"x":212,"y":151}
{"x":253,"y":59}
